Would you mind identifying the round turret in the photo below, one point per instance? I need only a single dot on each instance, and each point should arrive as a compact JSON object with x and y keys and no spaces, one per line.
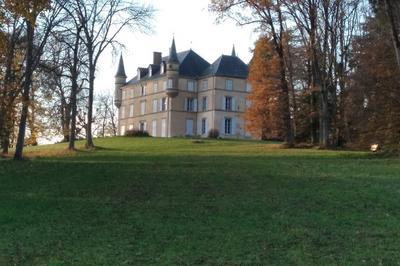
{"x":120,"y":80}
{"x":172,"y":72}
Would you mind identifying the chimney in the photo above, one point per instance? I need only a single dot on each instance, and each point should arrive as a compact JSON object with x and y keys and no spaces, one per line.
{"x":156,"y":58}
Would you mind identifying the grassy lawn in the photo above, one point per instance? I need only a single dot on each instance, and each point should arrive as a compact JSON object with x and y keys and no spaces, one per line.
{"x":173,"y":201}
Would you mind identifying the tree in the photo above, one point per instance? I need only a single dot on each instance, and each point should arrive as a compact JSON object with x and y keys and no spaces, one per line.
{"x":264,"y":114}
{"x":269,"y":17}
{"x":29,"y":10}
{"x":372,"y":106}
{"x":106,"y":116}
{"x":101,"y":22}
{"x":10,"y":67}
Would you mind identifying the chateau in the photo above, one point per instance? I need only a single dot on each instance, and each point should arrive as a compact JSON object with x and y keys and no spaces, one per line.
{"x":184,"y":95}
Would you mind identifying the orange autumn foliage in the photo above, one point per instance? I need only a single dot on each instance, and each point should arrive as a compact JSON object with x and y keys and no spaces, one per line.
{"x":264,"y":115}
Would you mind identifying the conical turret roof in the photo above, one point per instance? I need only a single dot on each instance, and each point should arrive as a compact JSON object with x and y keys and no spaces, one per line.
{"x":121,"y":68}
{"x":173,"y":57}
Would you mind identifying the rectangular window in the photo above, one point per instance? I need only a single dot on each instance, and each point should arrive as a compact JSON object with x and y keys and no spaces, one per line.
{"x":130,"y":127}
{"x":163,"y":128}
{"x":154,"y":128}
{"x":204,"y":104}
{"x":165,"y":84}
{"x":164,"y":104}
{"x":123,"y":94}
{"x":142,"y":90}
{"x":131,"y":110}
{"x":248,"y":87}
{"x":189,"y":105}
{"x":142,"y":126}
{"x":142,"y":107}
{"x":204,"y":126}
{"x":229,"y":84}
{"x":170,"y":84}
{"x":228,"y":126}
{"x":204,"y":84}
{"x":122,"y":131}
{"x":122,"y":112}
{"x":190,"y":85}
{"x":155,"y":87}
{"x":228,"y":103}
{"x":155,"y":106}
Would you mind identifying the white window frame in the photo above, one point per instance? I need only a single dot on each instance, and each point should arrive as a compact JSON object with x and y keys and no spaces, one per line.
{"x":122,"y":112}
{"x":228,"y":107}
{"x":170,"y":84}
{"x":191,"y":105}
{"x":131,"y":110}
{"x":143,"y":107}
{"x":229,"y":84}
{"x":228,"y":126}
{"x":164,"y":104}
{"x":142,"y":90}
{"x":204,"y":126}
{"x":204,"y":103}
{"x":248,"y":87}
{"x":155,"y":86}
{"x":155,"y":105}
{"x":122,"y":131}
{"x":204,"y":84}
{"x":191,"y":85}
{"x":154,"y":128}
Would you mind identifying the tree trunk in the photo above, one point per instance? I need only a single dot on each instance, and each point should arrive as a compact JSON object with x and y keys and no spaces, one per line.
{"x":393,"y":10}
{"x":89,"y":136}
{"x":74,"y":92}
{"x":26,"y":91}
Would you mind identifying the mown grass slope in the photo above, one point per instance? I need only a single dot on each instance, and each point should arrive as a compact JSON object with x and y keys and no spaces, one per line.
{"x":174,"y":201}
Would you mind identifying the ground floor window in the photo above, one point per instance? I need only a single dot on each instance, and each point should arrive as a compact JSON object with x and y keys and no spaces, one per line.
{"x":228,"y":126}
{"x":142,"y":126}
{"x":122,"y":131}
{"x":203,"y":126}
{"x":154,"y":128}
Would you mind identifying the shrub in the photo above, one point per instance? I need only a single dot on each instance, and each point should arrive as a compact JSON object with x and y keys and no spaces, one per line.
{"x":213,"y":133}
{"x":136,"y":133}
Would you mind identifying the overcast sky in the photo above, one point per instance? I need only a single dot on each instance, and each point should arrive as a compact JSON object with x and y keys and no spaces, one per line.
{"x":193,"y":26}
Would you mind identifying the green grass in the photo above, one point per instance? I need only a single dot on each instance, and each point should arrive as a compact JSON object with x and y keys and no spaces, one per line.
{"x":173,"y":201}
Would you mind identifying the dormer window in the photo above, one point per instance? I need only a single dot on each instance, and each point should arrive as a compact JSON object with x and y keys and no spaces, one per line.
{"x":138,"y":74}
{"x":150,"y":71}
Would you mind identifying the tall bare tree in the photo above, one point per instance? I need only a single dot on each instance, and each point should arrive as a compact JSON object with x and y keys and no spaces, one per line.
{"x":101,"y":22}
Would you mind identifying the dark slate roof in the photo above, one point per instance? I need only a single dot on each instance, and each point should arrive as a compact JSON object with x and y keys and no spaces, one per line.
{"x":121,"y":68}
{"x":229,"y":66}
{"x":190,"y":65}
{"x":194,"y":66}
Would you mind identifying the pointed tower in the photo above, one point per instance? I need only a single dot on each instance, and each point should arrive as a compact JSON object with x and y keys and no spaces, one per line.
{"x":120,"y":80}
{"x":233,"y":51}
{"x":172,"y":71}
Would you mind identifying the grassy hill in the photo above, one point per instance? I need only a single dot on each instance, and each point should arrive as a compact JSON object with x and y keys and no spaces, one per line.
{"x":176,"y":201}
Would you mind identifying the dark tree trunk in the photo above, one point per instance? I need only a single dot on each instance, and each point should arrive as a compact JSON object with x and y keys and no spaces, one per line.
{"x":393,"y":12}
{"x":26,"y":91}
{"x":89,"y":135}
{"x":74,"y":91}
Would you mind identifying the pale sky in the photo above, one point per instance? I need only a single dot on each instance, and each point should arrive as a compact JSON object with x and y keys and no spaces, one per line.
{"x":193,"y":26}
